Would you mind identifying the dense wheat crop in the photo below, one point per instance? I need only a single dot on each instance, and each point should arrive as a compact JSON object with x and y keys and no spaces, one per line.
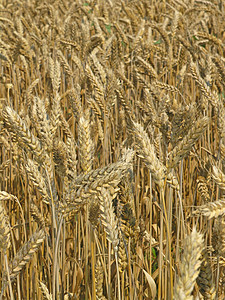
{"x":112,"y":149}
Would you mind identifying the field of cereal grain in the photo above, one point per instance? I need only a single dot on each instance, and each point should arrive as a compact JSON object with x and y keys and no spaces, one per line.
{"x":112,"y":149}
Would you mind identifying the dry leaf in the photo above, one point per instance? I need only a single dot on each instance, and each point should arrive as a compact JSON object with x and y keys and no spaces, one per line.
{"x":151,"y":283}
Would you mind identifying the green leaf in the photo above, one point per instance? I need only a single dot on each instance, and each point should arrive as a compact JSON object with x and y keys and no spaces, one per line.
{"x":108,"y":28}
{"x":158,"y":42}
{"x":99,"y":155}
{"x":153,"y":252}
{"x":85,"y":4}
{"x":154,"y":267}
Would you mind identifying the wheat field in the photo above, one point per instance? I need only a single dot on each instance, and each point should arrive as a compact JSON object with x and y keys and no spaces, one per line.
{"x":112,"y":170}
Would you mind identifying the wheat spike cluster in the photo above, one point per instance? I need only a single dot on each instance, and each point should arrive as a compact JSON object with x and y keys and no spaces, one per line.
{"x":112,"y":149}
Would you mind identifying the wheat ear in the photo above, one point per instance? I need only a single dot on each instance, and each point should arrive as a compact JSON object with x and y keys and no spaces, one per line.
{"x":4,"y":228}
{"x":86,"y":146}
{"x":99,"y":280}
{"x":90,"y":184}
{"x":203,"y":188}
{"x":219,"y":177}
{"x":204,"y":280}
{"x":218,"y":239}
{"x":110,"y":223}
{"x":109,"y":219}
{"x":5,"y":239}
{"x":38,"y":180}
{"x":189,"y":266}
{"x":146,"y":151}
{"x":55,"y":75}
{"x":184,"y":147}
{"x":19,"y":128}
{"x":42,"y":123}
{"x":24,"y":255}
{"x":45,"y":291}
{"x":212,"y":209}
{"x":37,"y":215}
